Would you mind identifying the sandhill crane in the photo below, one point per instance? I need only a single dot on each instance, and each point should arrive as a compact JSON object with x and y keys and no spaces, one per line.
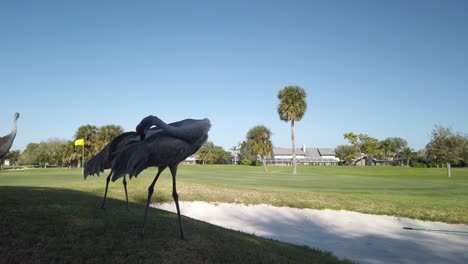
{"x":7,"y":141}
{"x":163,"y":146}
{"x":103,"y":160}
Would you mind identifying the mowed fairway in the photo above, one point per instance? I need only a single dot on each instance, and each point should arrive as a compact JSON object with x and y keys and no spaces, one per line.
{"x":53,"y":216}
{"x":426,"y":194}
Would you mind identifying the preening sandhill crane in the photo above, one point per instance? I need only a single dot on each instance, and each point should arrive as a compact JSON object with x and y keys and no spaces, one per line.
{"x":165,"y":145}
{"x":103,"y":160}
{"x":7,"y":141}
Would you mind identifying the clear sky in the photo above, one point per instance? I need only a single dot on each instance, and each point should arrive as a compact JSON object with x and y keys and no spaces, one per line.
{"x":385,"y":68}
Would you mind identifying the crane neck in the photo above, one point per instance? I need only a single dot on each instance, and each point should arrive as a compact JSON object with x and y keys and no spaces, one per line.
{"x":13,"y":131}
{"x":190,"y":130}
{"x":154,"y":120}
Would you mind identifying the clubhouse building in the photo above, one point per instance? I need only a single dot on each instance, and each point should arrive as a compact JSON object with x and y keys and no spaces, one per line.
{"x":304,"y":156}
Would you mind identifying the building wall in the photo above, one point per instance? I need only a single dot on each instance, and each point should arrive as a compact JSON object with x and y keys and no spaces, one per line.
{"x":331,"y":157}
{"x":287,"y":156}
{"x":311,"y":157}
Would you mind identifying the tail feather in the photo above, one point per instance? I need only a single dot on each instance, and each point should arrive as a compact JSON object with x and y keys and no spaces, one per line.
{"x":121,"y":160}
{"x":97,"y":164}
{"x":137,"y":164}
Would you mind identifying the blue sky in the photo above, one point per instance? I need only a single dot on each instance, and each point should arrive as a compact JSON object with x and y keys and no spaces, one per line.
{"x":385,"y":68}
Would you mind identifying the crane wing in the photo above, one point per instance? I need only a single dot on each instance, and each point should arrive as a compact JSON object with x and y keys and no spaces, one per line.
{"x":98,"y":163}
{"x":103,"y":160}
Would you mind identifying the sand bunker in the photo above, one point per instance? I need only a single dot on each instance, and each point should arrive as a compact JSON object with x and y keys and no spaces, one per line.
{"x":361,"y":237}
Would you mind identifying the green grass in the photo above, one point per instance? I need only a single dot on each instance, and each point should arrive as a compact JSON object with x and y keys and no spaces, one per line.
{"x":53,"y":216}
{"x":426,"y":194}
{"x":49,"y":225}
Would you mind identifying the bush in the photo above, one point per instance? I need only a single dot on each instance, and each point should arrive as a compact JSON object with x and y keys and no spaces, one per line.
{"x":246,"y":162}
{"x":419,"y":165}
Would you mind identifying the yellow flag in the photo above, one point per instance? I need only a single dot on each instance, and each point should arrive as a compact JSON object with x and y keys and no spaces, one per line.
{"x":79,"y":142}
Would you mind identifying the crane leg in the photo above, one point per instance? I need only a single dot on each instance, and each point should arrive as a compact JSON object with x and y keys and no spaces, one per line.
{"x":125,"y":187}
{"x":150,"y":193}
{"x":105,"y":193}
{"x":176,"y":198}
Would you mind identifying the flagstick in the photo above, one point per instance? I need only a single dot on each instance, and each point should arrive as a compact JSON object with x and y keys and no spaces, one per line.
{"x":82,"y":159}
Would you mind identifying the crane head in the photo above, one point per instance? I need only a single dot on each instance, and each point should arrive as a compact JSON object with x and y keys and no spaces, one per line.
{"x":17,"y":115}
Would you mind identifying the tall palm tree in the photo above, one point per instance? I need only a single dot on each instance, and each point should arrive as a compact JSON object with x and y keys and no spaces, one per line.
{"x":105,"y":135}
{"x":89,"y":134}
{"x":407,"y":152}
{"x":292,"y":108}
{"x":69,"y":155}
{"x":259,"y":143}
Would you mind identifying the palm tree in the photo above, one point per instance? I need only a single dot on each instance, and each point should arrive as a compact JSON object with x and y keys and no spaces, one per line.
{"x":13,"y":156}
{"x":235,"y":152}
{"x":105,"y":135}
{"x":259,"y":143}
{"x":205,"y":153}
{"x":89,"y":134}
{"x":292,"y":108}
{"x":407,"y":152}
{"x":69,"y":155}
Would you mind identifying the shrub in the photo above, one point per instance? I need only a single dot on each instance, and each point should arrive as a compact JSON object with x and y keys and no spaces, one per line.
{"x":419,"y":165}
{"x":246,"y":162}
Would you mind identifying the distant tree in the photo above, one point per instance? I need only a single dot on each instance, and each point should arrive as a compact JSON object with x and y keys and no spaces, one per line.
{"x":89,"y":134}
{"x":259,"y":143}
{"x":465,"y":151}
{"x":407,"y":153}
{"x":106,"y":134}
{"x":446,"y":147}
{"x":220,"y":156}
{"x":205,"y":153}
{"x":364,"y":145}
{"x":13,"y":156}
{"x":357,"y":141}
{"x":70,"y":154}
{"x":420,"y":159}
{"x":245,"y":155}
{"x":209,"y":153}
{"x":30,"y":154}
{"x":370,"y":146}
{"x":52,"y":149}
{"x":346,"y":153}
{"x":392,"y":147}
{"x":292,"y":107}
{"x":49,"y":152}
{"x":385,"y":151}
{"x":235,"y":153}
{"x":354,"y":139}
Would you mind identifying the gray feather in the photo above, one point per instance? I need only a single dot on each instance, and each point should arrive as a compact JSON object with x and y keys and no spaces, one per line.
{"x":168,"y":145}
{"x":7,"y":141}
{"x":103,"y":160}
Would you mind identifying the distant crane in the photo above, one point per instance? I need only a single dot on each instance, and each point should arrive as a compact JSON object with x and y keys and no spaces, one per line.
{"x":7,"y":141}
{"x":165,"y":145}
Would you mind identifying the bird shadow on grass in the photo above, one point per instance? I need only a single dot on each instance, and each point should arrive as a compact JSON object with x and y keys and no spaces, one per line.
{"x":48,"y":225}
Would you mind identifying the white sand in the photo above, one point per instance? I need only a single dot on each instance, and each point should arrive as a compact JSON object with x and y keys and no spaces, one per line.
{"x":361,"y":237}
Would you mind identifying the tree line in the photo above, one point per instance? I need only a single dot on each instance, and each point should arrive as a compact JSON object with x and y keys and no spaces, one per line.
{"x":64,"y":153}
{"x":257,"y":146}
{"x":445,"y":148}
